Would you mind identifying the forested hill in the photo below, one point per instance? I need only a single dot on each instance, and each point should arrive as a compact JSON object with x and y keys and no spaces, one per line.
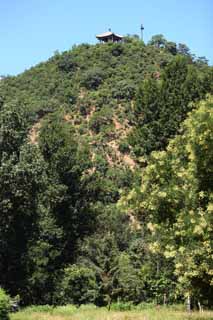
{"x":106,"y":176}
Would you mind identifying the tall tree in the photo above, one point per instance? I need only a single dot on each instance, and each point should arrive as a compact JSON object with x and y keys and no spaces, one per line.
{"x":175,"y":203}
{"x":161,"y":107}
{"x":158,"y":40}
{"x":22,"y":182}
{"x":13,"y":127}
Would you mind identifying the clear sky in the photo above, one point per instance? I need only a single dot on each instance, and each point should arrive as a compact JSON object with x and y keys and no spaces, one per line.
{"x":31,"y":30}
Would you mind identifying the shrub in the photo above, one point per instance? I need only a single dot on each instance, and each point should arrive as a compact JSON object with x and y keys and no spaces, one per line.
{"x":117,"y":49}
{"x":4,"y":305}
{"x":124,"y":146}
{"x":100,"y":120}
{"x":78,"y":285}
{"x":124,"y":89}
{"x":67,"y":63}
{"x":122,"y":306}
{"x":92,"y":78}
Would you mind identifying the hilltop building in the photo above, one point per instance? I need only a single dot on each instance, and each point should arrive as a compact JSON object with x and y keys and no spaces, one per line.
{"x":109,"y":36}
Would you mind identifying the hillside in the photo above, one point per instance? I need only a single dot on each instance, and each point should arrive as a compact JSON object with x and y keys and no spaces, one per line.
{"x":93,"y":86}
{"x":91,"y":142}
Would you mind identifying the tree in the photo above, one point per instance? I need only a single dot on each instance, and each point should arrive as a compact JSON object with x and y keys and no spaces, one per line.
{"x":202,"y":61}
{"x":44,"y":257}
{"x":67,"y":63}
{"x":92,"y":78}
{"x":58,"y":198}
{"x":161,"y":107}
{"x":175,"y":203}
{"x":147,"y":109}
{"x":183,"y":49}
{"x":22,"y":182}
{"x":13,"y":127}
{"x":129,"y":281}
{"x":171,"y":47}
{"x":100,"y":120}
{"x":100,"y":253}
{"x":180,"y":86}
{"x":1,"y":102}
{"x":4,"y":305}
{"x":69,"y":163}
{"x":158,"y":41}
{"x":78,"y":285}
{"x":124,"y":90}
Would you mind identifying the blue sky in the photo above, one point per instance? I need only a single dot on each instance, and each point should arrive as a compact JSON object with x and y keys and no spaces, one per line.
{"x":31,"y":30}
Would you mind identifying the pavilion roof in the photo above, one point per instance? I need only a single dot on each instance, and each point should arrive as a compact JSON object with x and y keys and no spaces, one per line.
{"x":108,"y":34}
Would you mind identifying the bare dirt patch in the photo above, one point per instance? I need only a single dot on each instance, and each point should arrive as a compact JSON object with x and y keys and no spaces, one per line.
{"x":33,"y":135}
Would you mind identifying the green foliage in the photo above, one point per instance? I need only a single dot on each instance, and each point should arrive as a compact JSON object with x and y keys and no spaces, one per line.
{"x":171,"y":47}
{"x":147,"y":112}
{"x":73,"y":130}
{"x":117,"y":49}
{"x":55,"y":136}
{"x":158,"y":40}
{"x":4,"y":305}
{"x":1,"y":102}
{"x":13,"y":128}
{"x":78,"y":285}
{"x":24,"y":204}
{"x":183,"y":49}
{"x":130,"y":281}
{"x":161,"y":107}
{"x":67,"y":63}
{"x":124,"y":90}
{"x":100,"y":120}
{"x":92,"y":78}
{"x":122,"y":306}
{"x":175,"y":202}
{"x":68,"y":163}
{"x":124,"y":146}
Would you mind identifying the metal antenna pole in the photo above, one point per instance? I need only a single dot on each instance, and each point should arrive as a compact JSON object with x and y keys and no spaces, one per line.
{"x":142,"y":28}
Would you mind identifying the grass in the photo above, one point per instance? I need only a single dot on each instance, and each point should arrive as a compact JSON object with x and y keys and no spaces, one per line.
{"x":91,"y":312}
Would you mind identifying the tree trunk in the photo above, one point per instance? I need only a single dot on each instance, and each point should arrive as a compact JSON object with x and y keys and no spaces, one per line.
{"x":164,"y":299}
{"x":200,"y":306}
{"x":189,"y":303}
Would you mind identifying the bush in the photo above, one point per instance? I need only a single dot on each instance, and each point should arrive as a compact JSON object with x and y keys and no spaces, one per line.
{"x":67,"y":63}
{"x":124,"y":89}
{"x":122,"y":306}
{"x":124,"y":146}
{"x":100,"y":120}
{"x":78,"y":286}
{"x":92,"y":78}
{"x":4,"y":305}
{"x":117,"y":49}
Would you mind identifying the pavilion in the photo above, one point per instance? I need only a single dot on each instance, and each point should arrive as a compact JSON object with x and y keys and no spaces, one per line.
{"x":109,"y":36}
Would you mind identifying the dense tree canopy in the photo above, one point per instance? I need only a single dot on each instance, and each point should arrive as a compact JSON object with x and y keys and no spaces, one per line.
{"x":106,"y":176}
{"x":175,"y":203}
